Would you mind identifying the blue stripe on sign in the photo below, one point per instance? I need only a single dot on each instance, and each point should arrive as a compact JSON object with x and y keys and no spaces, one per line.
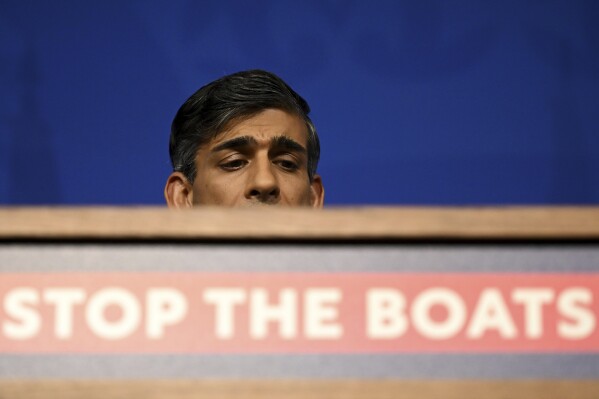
{"x":494,"y":366}
{"x":321,"y":258}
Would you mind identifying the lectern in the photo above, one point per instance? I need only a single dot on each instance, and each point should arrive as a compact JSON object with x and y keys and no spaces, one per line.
{"x":344,"y":303}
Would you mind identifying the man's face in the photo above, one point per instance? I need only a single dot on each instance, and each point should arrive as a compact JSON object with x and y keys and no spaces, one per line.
{"x":262,"y":160}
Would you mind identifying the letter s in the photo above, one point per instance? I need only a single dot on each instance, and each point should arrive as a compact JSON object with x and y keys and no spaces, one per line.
{"x":571,"y":304}
{"x":27,"y":321}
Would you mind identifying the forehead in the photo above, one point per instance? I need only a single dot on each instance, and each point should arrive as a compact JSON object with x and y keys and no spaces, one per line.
{"x":264,"y":126}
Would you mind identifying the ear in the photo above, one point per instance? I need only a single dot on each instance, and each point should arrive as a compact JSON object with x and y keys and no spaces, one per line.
{"x":178,"y":191}
{"x":317,"y":192}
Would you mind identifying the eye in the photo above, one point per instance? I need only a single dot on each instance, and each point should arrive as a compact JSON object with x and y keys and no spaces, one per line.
{"x":287,"y":164}
{"x":233,"y":165}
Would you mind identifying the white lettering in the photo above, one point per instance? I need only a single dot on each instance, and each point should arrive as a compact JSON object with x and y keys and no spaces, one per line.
{"x":224,"y":300}
{"x":451,"y":301}
{"x":27,"y":322}
{"x":113,"y":330}
{"x":284,"y":313}
{"x":491,"y":313}
{"x":571,"y":304}
{"x":164,"y":306}
{"x":321,"y":313}
{"x":64,"y":299}
{"x":533,"y":300}
{"x":386,"y":317}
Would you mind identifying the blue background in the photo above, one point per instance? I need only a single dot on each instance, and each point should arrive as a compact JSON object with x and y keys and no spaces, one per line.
{"x":416,"y":102}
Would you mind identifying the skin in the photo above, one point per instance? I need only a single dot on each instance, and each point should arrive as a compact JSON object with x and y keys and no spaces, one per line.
{"x":261,"y":160}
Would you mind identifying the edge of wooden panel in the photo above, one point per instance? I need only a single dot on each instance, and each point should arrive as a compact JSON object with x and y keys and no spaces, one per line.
{"x":297,"y":223}
{"x":300,"y":389}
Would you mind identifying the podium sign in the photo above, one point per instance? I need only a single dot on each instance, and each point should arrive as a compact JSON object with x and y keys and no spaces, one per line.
{"x":372,"y":301}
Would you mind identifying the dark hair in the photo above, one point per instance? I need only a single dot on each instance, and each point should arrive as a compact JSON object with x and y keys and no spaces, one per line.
{"x":241,"y":95}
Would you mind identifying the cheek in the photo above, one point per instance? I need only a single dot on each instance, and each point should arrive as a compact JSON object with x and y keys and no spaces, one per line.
{"x":222,"y":190}
{"x":296,"y":192}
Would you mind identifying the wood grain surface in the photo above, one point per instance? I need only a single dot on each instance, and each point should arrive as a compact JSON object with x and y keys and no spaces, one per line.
{"x":331,"y":223}
{"x":325,"y":389}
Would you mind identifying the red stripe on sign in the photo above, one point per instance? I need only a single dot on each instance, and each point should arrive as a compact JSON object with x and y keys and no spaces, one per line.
{"x":297,"y":312}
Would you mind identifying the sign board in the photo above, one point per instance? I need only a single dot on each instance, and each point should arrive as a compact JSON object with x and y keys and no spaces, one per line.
{"x":297,"y":309}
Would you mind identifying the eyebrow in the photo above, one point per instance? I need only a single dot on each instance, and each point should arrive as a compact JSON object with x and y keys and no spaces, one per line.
{"x":278,"y":142}
{"x":237,"y":142}
{"x":285,"y":143}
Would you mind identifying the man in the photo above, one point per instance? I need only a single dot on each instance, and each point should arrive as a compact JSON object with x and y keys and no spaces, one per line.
{"x":244,"y":140}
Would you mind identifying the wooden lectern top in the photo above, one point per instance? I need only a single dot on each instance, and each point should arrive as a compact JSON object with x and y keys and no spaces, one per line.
{"x":367,"y":223}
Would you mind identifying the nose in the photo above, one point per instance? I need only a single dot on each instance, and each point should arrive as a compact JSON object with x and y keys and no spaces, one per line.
{"x":262,"y":185}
